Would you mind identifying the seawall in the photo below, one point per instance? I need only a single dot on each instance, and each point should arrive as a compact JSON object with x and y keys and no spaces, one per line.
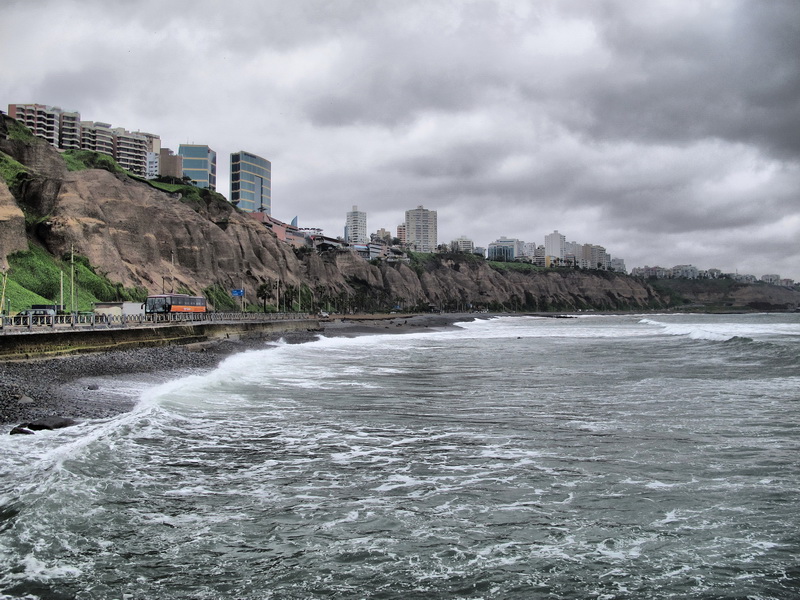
{"x":62,"y":342}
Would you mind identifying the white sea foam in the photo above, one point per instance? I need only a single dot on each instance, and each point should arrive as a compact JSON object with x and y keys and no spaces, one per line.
{"x":708,"y":327}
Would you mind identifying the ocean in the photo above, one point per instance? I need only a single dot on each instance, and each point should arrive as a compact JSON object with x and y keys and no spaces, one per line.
{"x":598,"y":457}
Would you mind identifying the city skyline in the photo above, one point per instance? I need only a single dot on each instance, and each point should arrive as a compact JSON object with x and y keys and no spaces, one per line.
{"x":665,"y":132}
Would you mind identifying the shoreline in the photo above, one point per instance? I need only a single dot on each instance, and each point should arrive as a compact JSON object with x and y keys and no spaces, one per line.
{"x":76,"y":387}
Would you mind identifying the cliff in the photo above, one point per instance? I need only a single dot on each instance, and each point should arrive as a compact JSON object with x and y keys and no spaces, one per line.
{"x":140,"y":236}
{"x":728,"y":294}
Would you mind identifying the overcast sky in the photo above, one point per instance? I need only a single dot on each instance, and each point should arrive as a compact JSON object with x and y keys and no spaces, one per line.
{"x":667,"y":131}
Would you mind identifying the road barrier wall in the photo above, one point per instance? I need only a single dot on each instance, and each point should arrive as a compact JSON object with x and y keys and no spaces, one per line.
{"x":53,"y":341}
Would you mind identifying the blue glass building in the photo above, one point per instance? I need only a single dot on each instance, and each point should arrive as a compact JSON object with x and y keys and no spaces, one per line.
{"x":251,"y":182}
{"x":199,"y":165}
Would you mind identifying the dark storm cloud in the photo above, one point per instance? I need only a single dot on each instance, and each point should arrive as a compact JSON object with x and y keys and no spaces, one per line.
{"x":665,"y":130}
{"x":734,"y":76}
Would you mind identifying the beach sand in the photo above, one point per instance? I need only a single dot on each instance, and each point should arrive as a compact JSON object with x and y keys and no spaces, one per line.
{"x":104,"y":384}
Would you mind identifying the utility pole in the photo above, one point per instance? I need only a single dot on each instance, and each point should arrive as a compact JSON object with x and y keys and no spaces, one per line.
{"x":72,"y":296}
{"x":3,"y":296}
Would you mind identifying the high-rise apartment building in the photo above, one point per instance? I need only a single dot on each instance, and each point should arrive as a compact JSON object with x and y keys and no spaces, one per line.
{"x":355,"y":229}
{"x":251,"y":182}
{"x":421,"y":232}
{"x":555,"y":245}
{"x":60,"y":128}
{"x":98,"y":137}
{"x":199,"y":165}
{"x":65,"y":130}
{"x":401,"y":234}
{"x":127,"y":148}
{"x":130,"y":150}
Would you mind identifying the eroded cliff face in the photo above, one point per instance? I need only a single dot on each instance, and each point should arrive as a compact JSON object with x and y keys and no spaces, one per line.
{"x":141,"y":236}
{"x":12,"y":226}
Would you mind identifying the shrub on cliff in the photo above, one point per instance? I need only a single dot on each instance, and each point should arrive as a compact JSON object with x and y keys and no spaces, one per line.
{"x":12,"y":172}
{"x":18,"y":131}
{"x":80,"y":160}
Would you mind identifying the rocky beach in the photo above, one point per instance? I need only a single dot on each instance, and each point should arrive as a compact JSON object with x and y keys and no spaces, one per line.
{"x":78,"y":387}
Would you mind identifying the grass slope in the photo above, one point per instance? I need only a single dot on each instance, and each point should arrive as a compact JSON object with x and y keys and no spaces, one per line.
{"x":36,"y":277}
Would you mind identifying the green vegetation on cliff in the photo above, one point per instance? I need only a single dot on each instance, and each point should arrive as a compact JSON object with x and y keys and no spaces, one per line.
{"x":12,"y":172}
{"x":18,"y":131}
{"x":36,"y":277}
{"x":520,"y":267}
{"x":80,"y":160}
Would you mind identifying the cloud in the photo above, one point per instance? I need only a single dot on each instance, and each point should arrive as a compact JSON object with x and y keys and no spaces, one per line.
{"x":664,"y":131}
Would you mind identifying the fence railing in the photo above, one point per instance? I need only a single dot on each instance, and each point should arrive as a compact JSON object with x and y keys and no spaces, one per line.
{"x":41,"y":323}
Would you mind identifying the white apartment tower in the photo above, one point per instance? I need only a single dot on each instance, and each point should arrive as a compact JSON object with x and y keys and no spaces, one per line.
{"x":421,"y":232}
{"x":355,"y":229}
{"x":555,"y":245}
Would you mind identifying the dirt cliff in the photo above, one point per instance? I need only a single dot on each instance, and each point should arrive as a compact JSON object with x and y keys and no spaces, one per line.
{"x":141,"y":236}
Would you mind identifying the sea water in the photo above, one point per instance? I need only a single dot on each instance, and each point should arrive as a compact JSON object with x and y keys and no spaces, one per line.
{"x":597,"y":457}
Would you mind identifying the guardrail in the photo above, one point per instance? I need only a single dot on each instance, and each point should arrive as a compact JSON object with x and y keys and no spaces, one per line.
{"x":38,"y":323}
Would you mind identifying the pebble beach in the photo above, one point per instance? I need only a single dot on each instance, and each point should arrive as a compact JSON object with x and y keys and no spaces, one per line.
{"x":76,"y":387}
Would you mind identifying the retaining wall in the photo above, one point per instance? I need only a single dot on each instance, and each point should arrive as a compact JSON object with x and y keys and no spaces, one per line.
{"x":58,"y":342}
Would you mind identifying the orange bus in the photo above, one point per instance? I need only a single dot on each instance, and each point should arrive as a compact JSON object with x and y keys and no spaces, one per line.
{"x":174,"y":303}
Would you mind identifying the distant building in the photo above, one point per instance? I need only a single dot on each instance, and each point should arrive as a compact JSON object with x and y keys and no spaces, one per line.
{"x":382,"y":235}
{"x":401,"y":234}
{"x":500,"y":252}
{"x":555,"y":245}
{"x":421,"y":229}
{"x":60,"y":128}
{"x":251,"y":182}
{"x":285,"y":232}
{"x":685,"y":272}
{"x":462,"y":244}
{"x":507,"y":249}
{"x":170,"y":164}
{"x":153,"y":143}
{"x":65,"y":130}
{"x":98,"y":137}
{"x":355,"y":229}
{"x":130,"y":151}
{"x":617,"y":265}
{"x":657,"y":272}
{"x":771,"y":278}
{"x":529,"y":249}
{"x":127,"y":148}
{"x":596,"y":255}
{"x":199,"y":165}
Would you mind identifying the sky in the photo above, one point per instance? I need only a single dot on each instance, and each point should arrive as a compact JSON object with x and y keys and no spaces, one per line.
{"x":667,"y":131}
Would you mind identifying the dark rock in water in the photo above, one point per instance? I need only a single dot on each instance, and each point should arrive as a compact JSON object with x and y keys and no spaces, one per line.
{"x":47,"y":423}
{"x":93,"y":386}
{"x":51,"y":423}
{"x":20,"y":430}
